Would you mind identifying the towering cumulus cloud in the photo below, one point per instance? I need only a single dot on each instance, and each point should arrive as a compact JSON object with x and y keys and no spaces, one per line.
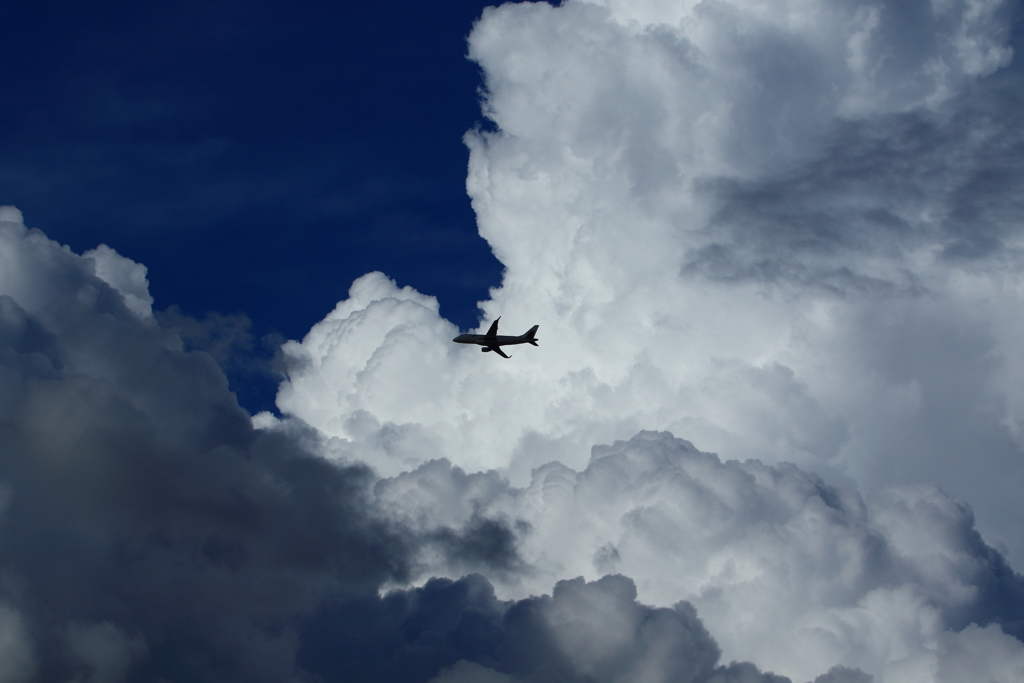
{"x":776,"y":254}
{"x":782,"y":230}
{"x":788,"y":232}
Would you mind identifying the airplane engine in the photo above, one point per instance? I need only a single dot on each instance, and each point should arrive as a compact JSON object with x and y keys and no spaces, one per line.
{"x":484,"y":350}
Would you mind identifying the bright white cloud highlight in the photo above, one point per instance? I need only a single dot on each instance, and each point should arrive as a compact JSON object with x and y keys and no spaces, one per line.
{"x":124,"y":275}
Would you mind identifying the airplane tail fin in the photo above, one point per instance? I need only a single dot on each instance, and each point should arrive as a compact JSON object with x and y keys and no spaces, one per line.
{"x":530,"y":335}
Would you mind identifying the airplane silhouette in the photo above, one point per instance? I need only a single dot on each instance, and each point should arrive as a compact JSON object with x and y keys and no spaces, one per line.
{"x":493,"y":342}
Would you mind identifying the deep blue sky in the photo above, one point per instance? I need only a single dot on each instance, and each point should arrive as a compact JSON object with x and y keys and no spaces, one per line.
{"x":257,"y":156}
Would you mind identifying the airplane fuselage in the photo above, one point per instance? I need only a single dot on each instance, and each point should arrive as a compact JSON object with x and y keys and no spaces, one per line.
{"x":492,"y":341}
{"x":484,"y":340}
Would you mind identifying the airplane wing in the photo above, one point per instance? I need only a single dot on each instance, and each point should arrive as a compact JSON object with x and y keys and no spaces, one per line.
{"x":493,"y":331}
{"x":497,"y":350}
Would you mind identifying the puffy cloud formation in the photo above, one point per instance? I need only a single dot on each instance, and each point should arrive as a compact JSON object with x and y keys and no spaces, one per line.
{"x":124,"y":275}
{"x":147,"y":531}
{"x":785,"y":570}
{"x":788,"y":231}
{"x":583,"y":631}
{"x":784,"y":230}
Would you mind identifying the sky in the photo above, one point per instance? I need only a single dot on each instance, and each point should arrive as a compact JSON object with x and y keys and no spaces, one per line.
{"x":248,"y":150}
{"x":774,"y":429}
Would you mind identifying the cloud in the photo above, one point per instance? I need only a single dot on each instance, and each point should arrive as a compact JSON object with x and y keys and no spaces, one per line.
{"x":785,"y":231}
{"x":881,"y":584}
{"x":841,"y":674}
{"x":17,"y":660}
{"x":105,"y":650}
{"x":124,"y":275}
{"x":148,"y":530}
{"x":452,"y":631}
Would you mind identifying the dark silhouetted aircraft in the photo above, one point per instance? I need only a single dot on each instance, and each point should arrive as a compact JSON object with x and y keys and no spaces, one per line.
{"x":492,"y":342}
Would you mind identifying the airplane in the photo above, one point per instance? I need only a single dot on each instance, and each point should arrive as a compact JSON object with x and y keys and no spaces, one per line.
{"x":493,"y":342}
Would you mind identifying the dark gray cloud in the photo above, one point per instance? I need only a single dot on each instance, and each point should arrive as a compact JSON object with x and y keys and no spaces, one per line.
{"x":841,"y":674}
{"x":148,"y":530}
{"x":483,"y":542}
{"x":253,"y":366}
{"x":593,"y":632}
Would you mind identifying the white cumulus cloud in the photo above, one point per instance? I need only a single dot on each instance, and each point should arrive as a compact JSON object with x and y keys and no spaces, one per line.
{"x":785,"y":231}
{"x":785,"y":570}
{"x":781,"y":230}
